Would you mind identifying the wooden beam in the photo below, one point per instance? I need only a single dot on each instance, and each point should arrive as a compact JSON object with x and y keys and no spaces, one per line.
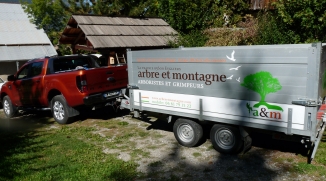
{"x":83,"y":47}
{"x":78,"y":37}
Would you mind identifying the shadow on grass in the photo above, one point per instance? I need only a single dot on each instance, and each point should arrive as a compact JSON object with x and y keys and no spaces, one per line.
{"x":249,"y":166}
{"x":260,"y":140}
{"x":221,"y":167}
{"x":17,"y":137}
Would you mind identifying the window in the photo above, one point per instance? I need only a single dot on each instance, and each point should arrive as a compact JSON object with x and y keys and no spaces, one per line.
{"x":36,"y":69}
{"x":71,"y":63}
{"x":23,"y":73}
{"x":30,"y":70}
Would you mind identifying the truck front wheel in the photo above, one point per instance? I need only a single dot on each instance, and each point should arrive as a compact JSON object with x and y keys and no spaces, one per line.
{"x":226,"y":138}
{"x":188,"y":133}
{"x":59,"y":109}
{"x":9,"y":109}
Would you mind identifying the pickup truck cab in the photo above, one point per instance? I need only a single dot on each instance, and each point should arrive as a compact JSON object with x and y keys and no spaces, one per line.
{"x":63,"y":84}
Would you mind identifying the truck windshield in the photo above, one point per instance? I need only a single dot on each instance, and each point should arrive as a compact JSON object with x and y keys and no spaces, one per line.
{"x":73,"y":63}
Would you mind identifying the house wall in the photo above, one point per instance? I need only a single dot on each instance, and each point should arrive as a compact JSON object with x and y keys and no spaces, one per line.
{"x":8,"y":68}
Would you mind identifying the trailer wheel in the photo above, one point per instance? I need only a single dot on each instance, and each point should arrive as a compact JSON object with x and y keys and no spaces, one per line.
{"x":59,"y":109}
{"x":226,"y":138}
{"x":8,"y":108}
{"x":188,"y":133}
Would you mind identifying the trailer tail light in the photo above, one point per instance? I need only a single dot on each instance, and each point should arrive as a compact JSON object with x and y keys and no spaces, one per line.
{"x":82,"y":83}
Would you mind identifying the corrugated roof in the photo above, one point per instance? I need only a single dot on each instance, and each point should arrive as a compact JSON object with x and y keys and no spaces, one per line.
{"x":113,"y":32}
{"x":131,"y":41}
{"x":16,"y":28}
{"x":15,"y":53}
{"x":18,"y":35}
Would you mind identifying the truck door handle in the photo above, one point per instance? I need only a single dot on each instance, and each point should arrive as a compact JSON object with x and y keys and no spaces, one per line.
{"x":110,"y":79}
{"x":109,"y":72}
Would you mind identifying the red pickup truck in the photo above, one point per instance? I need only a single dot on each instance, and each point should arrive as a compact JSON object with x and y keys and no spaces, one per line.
{"x":63,"y":84}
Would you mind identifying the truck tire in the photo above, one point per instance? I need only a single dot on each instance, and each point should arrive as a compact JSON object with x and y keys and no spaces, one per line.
{"x":8,"y":108}
{"x":188,"y":133}
{"x":59,"y":109}
{"x":226,"y":138}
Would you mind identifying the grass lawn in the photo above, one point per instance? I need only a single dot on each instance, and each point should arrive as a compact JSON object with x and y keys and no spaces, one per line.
{"x":56,"y":152}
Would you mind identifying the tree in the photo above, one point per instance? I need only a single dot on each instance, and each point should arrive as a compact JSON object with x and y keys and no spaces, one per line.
{"x":47,"y":14}
{"x":272,"y":30}
{"x":306,"y":18}
{"x":185,"y":16}
{"x":73,"y":7}
{"x":135,"y":8}
{"x":51,"y":16}
{"x":263,"y":83}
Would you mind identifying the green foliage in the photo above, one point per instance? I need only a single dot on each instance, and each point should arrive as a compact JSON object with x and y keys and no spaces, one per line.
{"x":199,"y":22}
{"x":136,"y":8}
{"x":235,"y":10}
{"x":55,"y":155}
{"x":51,"y":16}
{"x":76,"y":8}
{"x":245,"y":34}
{"x":272,"y":30}
{"x":306,"y":18}
{"x":47,"y":14}
{"x":191,"y":18}
{"x":192,"y":39}
{"x":185,"y":16}
{"x":324,"y":79}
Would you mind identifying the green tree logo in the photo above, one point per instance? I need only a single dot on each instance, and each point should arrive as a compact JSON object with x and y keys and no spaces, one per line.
{"x":263,"y":83}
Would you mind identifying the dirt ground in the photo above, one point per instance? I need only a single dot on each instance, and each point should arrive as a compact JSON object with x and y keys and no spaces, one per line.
{"x":267,"y":160}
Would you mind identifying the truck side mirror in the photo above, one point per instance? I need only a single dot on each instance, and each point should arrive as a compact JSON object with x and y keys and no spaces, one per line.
{"x":11,"y":78}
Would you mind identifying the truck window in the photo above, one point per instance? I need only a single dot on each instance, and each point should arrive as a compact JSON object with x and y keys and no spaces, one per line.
{"x":23,"y":73}
{"x":30,"y":70}
{"x":71,"y":63}
{"x":35,"y":69}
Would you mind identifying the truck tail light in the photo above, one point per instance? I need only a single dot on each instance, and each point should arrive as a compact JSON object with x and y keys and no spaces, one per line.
{"x":81,"y":83}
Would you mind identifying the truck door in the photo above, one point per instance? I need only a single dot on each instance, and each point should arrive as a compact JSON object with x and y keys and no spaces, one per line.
{"x":17,"y":87}
{"x":29,"y":84}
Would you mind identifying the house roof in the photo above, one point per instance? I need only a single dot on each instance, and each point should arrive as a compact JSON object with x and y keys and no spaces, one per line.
{"x":19,"y":38}
{"x":114,"y":32}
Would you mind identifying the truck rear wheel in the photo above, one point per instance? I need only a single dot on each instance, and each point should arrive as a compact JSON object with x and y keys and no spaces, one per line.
{"x":59,"y":109}
{"x":188,"y":133}
{"x":226,"y":138}
{"x":8,"y":108}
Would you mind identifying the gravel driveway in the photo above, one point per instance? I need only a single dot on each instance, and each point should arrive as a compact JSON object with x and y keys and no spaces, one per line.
{"x":267,"y":159}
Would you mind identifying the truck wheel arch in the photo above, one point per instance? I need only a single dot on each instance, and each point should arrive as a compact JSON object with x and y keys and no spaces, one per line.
{"x":51,"y":94}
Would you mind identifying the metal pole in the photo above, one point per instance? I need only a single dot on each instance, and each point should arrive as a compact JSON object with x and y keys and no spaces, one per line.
{"x":17,"y":64}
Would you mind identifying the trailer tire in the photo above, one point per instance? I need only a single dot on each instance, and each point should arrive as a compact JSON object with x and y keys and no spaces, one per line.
{"x":59,"y":108}
{"x":188,"y":133}
{"x":226,"y":138}
{"x":8,"y":108}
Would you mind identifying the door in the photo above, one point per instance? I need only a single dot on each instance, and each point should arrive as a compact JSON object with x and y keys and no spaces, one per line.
{"x":30,"y":84}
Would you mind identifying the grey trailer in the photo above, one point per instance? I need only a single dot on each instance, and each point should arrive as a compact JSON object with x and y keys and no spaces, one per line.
{"x":274,"y":88}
